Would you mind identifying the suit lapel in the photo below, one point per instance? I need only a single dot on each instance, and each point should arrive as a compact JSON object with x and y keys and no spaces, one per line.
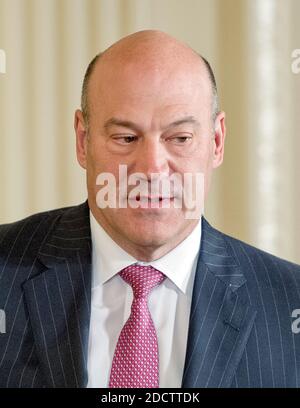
{"x":221,"y":316}
{"x":58,"y":300}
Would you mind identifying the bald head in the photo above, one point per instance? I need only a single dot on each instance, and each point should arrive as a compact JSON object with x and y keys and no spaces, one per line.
{"x":152,"y":50}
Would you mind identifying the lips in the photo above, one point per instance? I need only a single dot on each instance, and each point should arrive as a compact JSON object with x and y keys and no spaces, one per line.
{"x":152,"y":198}
{"x":152,"y":201}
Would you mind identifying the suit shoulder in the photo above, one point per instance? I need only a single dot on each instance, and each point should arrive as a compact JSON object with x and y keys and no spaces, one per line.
{"x":34,"y":227}
{"x":255,"y":261}
{"x":263,"y":261}
{"x":254,"y":251}
{"x":14,"y":227}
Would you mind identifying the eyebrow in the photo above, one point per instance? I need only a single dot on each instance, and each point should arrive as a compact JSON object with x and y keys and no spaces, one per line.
{"x":131,"y":125}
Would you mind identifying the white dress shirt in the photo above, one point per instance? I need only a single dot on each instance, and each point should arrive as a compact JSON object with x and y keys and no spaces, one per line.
{"x":169,"y":305}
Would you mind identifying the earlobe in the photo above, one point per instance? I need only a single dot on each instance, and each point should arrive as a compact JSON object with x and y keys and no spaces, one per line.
{"x":81,"y":138}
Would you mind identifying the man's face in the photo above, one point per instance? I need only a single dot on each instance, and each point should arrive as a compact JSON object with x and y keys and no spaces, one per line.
{"x":153,"y":119}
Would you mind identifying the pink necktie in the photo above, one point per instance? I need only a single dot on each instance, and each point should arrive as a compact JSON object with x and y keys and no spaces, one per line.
{"x":135,"y":361}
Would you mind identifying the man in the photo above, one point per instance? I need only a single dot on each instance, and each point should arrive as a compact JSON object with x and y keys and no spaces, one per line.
{"x":220,"y":313}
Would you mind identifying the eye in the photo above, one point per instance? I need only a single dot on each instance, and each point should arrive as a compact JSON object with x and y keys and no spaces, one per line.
{"x":124,"y":139}
{"x":180,"y":139}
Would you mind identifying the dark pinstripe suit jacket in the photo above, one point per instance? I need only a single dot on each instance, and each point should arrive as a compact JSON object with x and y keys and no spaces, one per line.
{"x":240,"y":324}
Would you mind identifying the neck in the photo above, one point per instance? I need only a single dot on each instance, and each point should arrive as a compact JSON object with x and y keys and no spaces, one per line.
{"x":143,"y":252}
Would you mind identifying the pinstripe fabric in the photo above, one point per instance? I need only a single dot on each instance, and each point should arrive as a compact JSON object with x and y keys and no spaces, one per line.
{"x":45,"y":292}
{"x":240,"y":323}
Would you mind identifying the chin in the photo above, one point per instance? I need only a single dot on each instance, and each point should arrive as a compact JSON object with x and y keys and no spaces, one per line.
{"x":149,"y":242}
{"x":149,"y":235}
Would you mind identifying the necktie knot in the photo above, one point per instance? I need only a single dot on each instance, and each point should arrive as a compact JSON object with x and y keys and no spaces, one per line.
{"x":142,"y":279}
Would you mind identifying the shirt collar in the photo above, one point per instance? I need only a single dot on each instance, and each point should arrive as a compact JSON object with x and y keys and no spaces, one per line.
{"x":109,"y":258}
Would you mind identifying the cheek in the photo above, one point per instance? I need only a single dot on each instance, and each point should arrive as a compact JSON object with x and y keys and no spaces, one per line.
{"x":206,"y":156}
{"x":200,"y":161}
{"x":98,"y":159}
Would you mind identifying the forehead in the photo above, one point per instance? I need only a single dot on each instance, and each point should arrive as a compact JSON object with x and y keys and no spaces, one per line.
{"x":148,"y":85}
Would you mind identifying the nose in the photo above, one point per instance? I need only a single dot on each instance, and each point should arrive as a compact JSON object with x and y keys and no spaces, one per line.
{"x":152,"y":157}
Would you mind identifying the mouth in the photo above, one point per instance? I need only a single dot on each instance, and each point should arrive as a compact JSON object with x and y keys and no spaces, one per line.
{"x":152,"y":198}
{"x":152,"y":202}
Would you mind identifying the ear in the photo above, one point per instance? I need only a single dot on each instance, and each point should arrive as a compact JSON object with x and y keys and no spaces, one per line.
{"x":219,"y":139}
{"x":81,"y":139}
